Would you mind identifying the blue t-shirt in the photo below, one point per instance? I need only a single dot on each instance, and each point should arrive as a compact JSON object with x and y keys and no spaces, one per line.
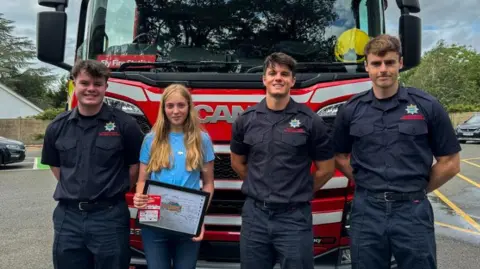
{"x":178,"y":174}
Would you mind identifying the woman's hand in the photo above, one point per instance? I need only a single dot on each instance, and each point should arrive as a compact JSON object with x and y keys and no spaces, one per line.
{"x":200,"y":236}
{"x":140,"y":200}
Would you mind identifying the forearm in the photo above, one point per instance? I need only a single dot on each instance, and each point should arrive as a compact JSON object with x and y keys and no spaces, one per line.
{"x":209,"y":187}
{"x":441,"y":173}
{"x":320,"y":178}
{"x":343,"y":164}
{"x":55,"y":172}
{"x":241,"y":170}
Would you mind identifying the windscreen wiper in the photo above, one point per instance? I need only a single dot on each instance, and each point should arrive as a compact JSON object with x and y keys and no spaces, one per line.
{"x":177,"y":63}
{"x":315,"y":67}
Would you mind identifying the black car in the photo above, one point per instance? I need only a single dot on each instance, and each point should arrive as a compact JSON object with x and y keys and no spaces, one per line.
{"x":11,"y":151}
{"x":469,"y":130}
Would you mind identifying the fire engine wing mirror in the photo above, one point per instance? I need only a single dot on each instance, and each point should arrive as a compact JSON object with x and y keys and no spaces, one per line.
{"x":410,"y":29}
{"x":51,"y":33}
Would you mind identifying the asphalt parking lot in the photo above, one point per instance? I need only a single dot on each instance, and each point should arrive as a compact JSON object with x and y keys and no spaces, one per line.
{"x":26,"y":214}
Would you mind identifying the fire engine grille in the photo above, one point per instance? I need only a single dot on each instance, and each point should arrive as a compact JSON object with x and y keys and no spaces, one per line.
{"x":223,"y":168}
{"x":143,"y":123}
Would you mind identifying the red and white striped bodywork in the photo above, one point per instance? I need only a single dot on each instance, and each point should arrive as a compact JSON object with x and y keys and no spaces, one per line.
{"x":329,"y":203}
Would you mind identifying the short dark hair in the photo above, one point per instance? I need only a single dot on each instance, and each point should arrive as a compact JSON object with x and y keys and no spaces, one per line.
{"x":383,"y":44}
{"x":280,"y":58}
{"x":94,"y":68}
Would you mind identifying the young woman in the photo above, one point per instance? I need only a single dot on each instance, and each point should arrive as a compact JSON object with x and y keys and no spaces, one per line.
{"x":178,"y":152}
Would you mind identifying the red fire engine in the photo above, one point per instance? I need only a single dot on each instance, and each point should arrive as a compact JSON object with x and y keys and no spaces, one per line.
{"x":217,"y":48}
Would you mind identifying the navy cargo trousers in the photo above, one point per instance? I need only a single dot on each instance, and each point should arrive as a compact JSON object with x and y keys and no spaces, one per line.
{"x":272,"y":234}
{"x":91,"y":239}
{"x":382,"y":228}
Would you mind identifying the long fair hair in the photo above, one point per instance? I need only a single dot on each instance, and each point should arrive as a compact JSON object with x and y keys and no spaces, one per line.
{"x":161,"y":153}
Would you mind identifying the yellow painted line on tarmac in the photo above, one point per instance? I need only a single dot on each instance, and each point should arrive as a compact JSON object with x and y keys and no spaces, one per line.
{"x":470,"y":163}
{"x":458,"y":210}
{"x":469,"y":159}
{"x":456,"y":228}
{"x":468,"y":180}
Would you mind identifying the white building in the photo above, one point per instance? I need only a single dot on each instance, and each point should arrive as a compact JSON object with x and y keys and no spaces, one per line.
{"x":12,"y":105}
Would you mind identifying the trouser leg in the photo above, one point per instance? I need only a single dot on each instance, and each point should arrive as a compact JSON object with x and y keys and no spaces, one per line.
{"x":69,"y":249}
{"x":413,"y":235}
{"x":256,"y":250}
{"x":370,"y":247}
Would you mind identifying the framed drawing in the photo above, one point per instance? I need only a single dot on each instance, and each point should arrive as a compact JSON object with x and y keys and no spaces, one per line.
{"x":182,"y":209}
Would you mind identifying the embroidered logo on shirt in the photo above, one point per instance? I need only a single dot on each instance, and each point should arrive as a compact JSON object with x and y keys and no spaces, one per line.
{"x":110,"y":126}
{"x":412,"y":109}
{"x":295,"y":123}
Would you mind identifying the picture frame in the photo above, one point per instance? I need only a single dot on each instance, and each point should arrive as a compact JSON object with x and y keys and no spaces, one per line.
{"x":182,"y":209}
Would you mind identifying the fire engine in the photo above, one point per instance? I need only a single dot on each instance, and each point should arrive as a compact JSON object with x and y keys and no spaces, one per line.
{"x":216,"y":49}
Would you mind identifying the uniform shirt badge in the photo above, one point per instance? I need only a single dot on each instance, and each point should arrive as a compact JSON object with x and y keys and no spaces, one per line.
{"x":110,"y":126}
{"x":294,"y":123}
{"x":412,"y":109}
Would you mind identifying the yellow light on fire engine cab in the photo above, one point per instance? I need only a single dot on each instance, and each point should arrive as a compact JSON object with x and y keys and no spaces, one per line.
{"x":350,"y":46}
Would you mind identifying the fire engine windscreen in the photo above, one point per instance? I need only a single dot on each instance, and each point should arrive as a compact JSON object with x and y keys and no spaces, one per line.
{"x":243,"y":32}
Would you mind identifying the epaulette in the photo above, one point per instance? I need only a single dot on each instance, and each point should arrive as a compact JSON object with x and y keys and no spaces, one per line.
{"x":357,"y":96}
{"x":250,"y":109}
{"x":61,"y":116}
{"x":419,"y":93}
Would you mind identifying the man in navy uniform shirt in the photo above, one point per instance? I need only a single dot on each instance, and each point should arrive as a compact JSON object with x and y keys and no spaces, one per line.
{"x":273,"y":146}
{"x":93,"y":152}
{"x":386,"y":139}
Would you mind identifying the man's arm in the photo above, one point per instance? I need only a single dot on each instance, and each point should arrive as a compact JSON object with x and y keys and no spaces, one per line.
{"x":132,"y":139}
{"x":321,"y":152}
{"x":443,"y":170}
{"x":342,"y":143}
{"x":238,"y":149}
{"x":445,"y":148}
{"x":50,"y":155}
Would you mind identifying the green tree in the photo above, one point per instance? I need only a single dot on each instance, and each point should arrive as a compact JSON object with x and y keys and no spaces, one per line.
{"x":451,"y":73}
{"x":17,"y":69}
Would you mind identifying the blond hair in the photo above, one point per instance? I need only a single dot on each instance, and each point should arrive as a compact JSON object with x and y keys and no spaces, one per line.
{"x":160,"y":150}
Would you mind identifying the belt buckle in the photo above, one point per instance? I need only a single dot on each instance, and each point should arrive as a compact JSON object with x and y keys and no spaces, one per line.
{"x":80,"y":205}
{"x":385,"y":196}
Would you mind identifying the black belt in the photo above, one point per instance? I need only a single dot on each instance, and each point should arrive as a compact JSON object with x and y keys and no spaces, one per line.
{"x":398,"y":196}
{"x":273,"y":205}
{"x":89,"y":206}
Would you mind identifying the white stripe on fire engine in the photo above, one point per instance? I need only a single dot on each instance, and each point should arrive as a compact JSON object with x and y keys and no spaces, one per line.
{"x":133,"y":92}
{"x":334,"y":183}
{"x":244,"y":98}
{"x":317,"y":218}
{"x":323,"y":94}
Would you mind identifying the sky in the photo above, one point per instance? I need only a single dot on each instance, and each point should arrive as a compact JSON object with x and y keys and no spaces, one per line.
{"x":441,"y":19}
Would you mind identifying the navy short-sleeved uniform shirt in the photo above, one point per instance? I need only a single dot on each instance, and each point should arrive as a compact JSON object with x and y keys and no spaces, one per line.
{"x":280,"y":147}
{"x":393,"y":141}
{"x":93,"y":153}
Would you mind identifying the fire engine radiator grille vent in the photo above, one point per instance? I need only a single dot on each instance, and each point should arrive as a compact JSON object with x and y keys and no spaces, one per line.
{"x":223,"y":169}
{"x":143,"y":123}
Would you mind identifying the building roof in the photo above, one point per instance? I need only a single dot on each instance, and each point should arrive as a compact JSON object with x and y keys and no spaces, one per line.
{"x":19,"y":97}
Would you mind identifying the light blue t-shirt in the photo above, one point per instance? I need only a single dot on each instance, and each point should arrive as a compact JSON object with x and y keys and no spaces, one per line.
{"x":178,"y":174}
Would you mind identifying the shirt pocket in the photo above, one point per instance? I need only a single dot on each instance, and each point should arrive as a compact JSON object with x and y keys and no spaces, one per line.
{"x":257,"y":146}
{"x":413,"y":137}
{"x":67,"y":150}
{"x":364,"y":139}
{"x":108,"y":151}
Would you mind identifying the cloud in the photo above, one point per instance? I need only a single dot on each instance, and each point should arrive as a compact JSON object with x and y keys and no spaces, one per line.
{"x":447,"y":20}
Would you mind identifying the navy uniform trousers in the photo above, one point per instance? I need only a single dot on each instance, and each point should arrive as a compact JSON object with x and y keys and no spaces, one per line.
{"x":91,"y":239}
{"x":382,"y":228}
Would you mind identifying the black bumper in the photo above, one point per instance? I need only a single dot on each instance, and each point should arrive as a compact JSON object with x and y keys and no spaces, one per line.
{"x":12,"y":156}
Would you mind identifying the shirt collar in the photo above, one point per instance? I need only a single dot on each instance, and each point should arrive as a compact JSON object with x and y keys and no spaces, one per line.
{"x":104,"y":114}
{"x":401,"y":95}
{"x":290,"y":109}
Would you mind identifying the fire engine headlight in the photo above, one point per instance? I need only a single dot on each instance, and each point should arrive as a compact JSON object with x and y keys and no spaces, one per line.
{"x":330,"y":110}
{"x":122,"y":105}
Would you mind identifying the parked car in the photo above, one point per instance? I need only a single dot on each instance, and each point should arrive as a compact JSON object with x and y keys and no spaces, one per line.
{"x":11,"y":151}
{"x":469,"y":130}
